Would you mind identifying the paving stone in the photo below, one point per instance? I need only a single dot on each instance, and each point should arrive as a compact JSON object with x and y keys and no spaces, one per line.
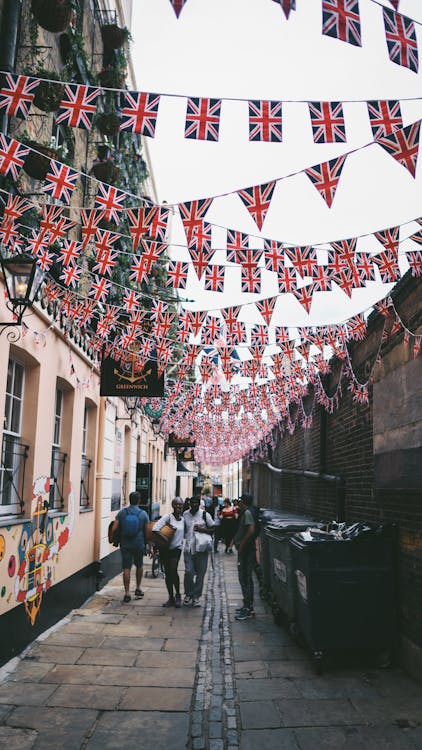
{"x":156,"y":699}
{"x":196,"y":730}
{"x":388,"y":710}
{"x":85,"y":640}
{"x":270,"y":739}
{"x":131,"y":730}
{"x":216,"y":744}
{"x":178,"y":644}
{"x":138,"y":676}
{"x":73,"y":674}
{"x":135,"y":643}
{"x":356,"y":738}
{"x":15,"y":694}
{"x":231,"y":722}
{"x":56,"y":654}
{"x":29,"y":671}
{"x":17,"y":739}
{"x":55,"y":727}
{"x":250,"y":669}
{"x":137,"y":628}
{"x":215,"y":729}
{"x":290,"y":668}
{"x":198,"y":743}
{"x":80,"y":626}
{"x":266,"y":689}
{"x":331,"y":686}
{"x":108,"y":656}
{"x":259,"y":715}
{"x":166,"y":659}
{"x":306,"y":713}
{"x":101,"y":697}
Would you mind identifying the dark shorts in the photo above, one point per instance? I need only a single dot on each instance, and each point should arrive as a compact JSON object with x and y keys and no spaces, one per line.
{"x":132,"y":556}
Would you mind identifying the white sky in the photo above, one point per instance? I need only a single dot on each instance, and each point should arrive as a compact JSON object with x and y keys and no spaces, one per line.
{"x":246,"y":49}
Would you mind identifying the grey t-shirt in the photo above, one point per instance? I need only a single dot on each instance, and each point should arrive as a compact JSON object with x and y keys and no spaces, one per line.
{"x":134,"y":542}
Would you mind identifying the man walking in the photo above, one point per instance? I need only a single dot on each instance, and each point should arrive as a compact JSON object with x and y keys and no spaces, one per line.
{"x":244,"y":540}
{"x":131,"y":521}
{"x":198,"y":526}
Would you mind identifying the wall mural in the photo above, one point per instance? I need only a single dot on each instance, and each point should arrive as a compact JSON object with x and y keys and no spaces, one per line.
{"x":30,"y":552}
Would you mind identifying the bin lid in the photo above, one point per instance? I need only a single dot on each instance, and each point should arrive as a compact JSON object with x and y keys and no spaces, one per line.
{"x":289,"y":525}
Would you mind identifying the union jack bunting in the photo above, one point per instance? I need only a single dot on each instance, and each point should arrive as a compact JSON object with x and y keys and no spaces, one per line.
{"x":251,"y":280}
{"x":77,"y":108}
{"x":414,"y":259}
{"x":192,"y":213}
{"x":389,"y":238}
{"x":99,"y":289}
{"x":70,"y":275}
{"x":326,"y":177}
{"x":15,"y":94}
{"x":69,"y":252}
{"x":401,"y":39}
{"x":403,"y":145}
{"x":235,"y":242}
{"x":365,"y":267}
{"x":201,"y":237}
{"x":257,"y":200}
{"x":286,"y":278}
{"x":110,"y":200}
{"x":273,"y":255}
{"x":266,"y":308}
{"x":8,"y":234}
{"x":214,"y":278}
{"x":14,"y":208}
{"x":327,"y":122}
{"x":106,"y":262}
{"x":60,"y":181}
{"x":12,"y":156}
{"x":304,"y":259}
{"x":230,"y":316}
{"x":385,"y":117}
{"x":140,"y":113}
{"x":90,"y":221}
{"x":248,"y":259}
{"x":157,"y":218}
{"x":203,"y":119}
{"x":265,"y":121}
{"x":341,"y":20}
{"x":177,"y":6}
{"x":388,"y":266}
{"x":304,"y":296}
{"x":417,"y":237}
{"x":177,"y":274}
{"x":345,"y":251}
{"x":287,"y":6}
{"x":200,"y":260}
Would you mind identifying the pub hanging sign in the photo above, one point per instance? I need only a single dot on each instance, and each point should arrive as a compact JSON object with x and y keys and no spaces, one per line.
{"x":130,"y":378}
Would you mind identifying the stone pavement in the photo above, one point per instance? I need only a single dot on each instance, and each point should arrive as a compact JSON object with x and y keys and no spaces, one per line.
{"x":138,"y":676}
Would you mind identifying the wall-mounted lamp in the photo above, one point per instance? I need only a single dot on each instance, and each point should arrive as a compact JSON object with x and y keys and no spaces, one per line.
{"x":23,"y":278}
{"x":132,"y":405}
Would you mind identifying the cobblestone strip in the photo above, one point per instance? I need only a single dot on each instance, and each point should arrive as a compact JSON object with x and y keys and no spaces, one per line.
{"x":213,"y":719}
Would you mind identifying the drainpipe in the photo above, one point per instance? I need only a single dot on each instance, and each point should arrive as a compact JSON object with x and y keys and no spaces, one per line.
{"x":99,"y":474}
{"x":9,"y":27}
{"x":331,"y":478}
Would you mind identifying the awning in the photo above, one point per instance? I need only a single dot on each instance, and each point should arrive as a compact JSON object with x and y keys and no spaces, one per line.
{"x":182,"y":471}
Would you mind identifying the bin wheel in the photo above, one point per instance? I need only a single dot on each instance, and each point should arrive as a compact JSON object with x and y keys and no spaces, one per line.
{"x":263,"y":593}
{"x":155,"y":567}
{"x":318,"y":664}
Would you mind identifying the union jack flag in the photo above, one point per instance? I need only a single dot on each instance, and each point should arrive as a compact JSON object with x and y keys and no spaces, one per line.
{"x":201,"y":237}
{"x":200,"y":260}
{"x":15,"y":94}
{"x":401,"y":39}
{"x":203,"y":119}
{"x":403,"y":145}
{"x":248,"y":259}
{"x":100,"y":288}
{"x":235,"y":242}
{"x":389,"y":238}
{"x":266,"y":308}
{"x":388,"y":266}
{"x":417,"y":237}
{"x":69,"y":252}
{"x":257,"y":200}
{"x":385,"y":117}
{"x":287,"y":6}
{"x":14,"y":208}
{"x":140,"y":113}
{"x":265,"y":121}
{"x":60,"y":181}
{"x":70,"y":275}
{"x":273,"y":255}
{"x":345,"y":250}
{"x":414,"y":259}
{"x":365,"y":267}
{"x":327,"y":122}
{"x":286,"y":278}
{"x":106,"y":261}
{"x":110,"y":200}
{"x":214,"y":278}
{"x":304,"y":296}
{"x":192,"y":213}
{"x":90,"y":220}
{"x":77,"y":108}
{"x":12,"y":156}
{"x":177,"y":274}
{"x":326,"y":177}
{"x":304,"y":259}
{"x":341,"y":20}
{"x":178,"y":6}
{"x":251,"y":280}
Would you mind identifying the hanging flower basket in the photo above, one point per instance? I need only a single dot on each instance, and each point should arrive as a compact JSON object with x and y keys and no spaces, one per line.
{"x":108,"y":123}
{"x":36,"y":165}
{"x":48,"y":95}
{"x":113,"y":36}
{"x":53,"y":15}
{"x":105,"y":170}
{"x":112,"y":78}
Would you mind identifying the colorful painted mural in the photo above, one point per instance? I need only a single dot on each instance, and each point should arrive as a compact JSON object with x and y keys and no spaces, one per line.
{"x":31,"y":550}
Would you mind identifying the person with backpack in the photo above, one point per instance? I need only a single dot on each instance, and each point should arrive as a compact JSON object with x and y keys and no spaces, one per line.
{"x":244,"y":540}
{"x":131,"y":522}
{"x":199,"y":528}
{"x":170,"y":555}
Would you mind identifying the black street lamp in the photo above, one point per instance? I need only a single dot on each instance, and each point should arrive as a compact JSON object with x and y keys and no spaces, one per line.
{"x":23,"y":279}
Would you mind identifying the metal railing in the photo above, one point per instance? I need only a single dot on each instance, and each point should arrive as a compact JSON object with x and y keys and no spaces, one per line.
{"x":58,"y":463}
{"x":12,"y":475}
{"x":84,"y":496}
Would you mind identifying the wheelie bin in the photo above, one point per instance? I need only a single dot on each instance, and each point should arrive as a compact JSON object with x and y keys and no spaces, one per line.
{"x":345,"y":592}
{"x":282,"y":584}
{"x":269,"y":518}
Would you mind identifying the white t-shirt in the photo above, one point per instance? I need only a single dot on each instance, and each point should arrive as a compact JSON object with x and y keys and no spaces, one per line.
{"x":196,"y":520}
{"x":179,"y":525}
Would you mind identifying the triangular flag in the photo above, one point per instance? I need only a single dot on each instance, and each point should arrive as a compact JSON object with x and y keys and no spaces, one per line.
{"x":257,"y":200}
{"x":403,"y":145}
{"x":177,"y":6}
{"x":326,"y":177}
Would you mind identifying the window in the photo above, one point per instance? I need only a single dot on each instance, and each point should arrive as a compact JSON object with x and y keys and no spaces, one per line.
{"x":84,"y":496}
{"x":58,"y":458}
{"x":13,"y":452}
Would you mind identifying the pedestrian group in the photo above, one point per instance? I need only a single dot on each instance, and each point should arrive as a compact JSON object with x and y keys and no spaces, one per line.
{"x":199,"y":526}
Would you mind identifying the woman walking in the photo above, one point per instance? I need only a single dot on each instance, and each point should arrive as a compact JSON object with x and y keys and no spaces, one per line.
{"x":228,"y":524}
{"x":170,"y":555}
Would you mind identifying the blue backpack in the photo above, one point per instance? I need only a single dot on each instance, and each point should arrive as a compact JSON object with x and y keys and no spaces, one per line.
{"x":130,"y":523}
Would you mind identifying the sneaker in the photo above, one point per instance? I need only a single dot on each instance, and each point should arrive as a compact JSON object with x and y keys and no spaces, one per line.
{"x":244,"y":614}
{"x":126,"y":598}
{"x":187,"y":601}
{"x":177,"y":602}
{"x":139,"y":594}
{"x":196,"y":603}
{"x":169,"y":603}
